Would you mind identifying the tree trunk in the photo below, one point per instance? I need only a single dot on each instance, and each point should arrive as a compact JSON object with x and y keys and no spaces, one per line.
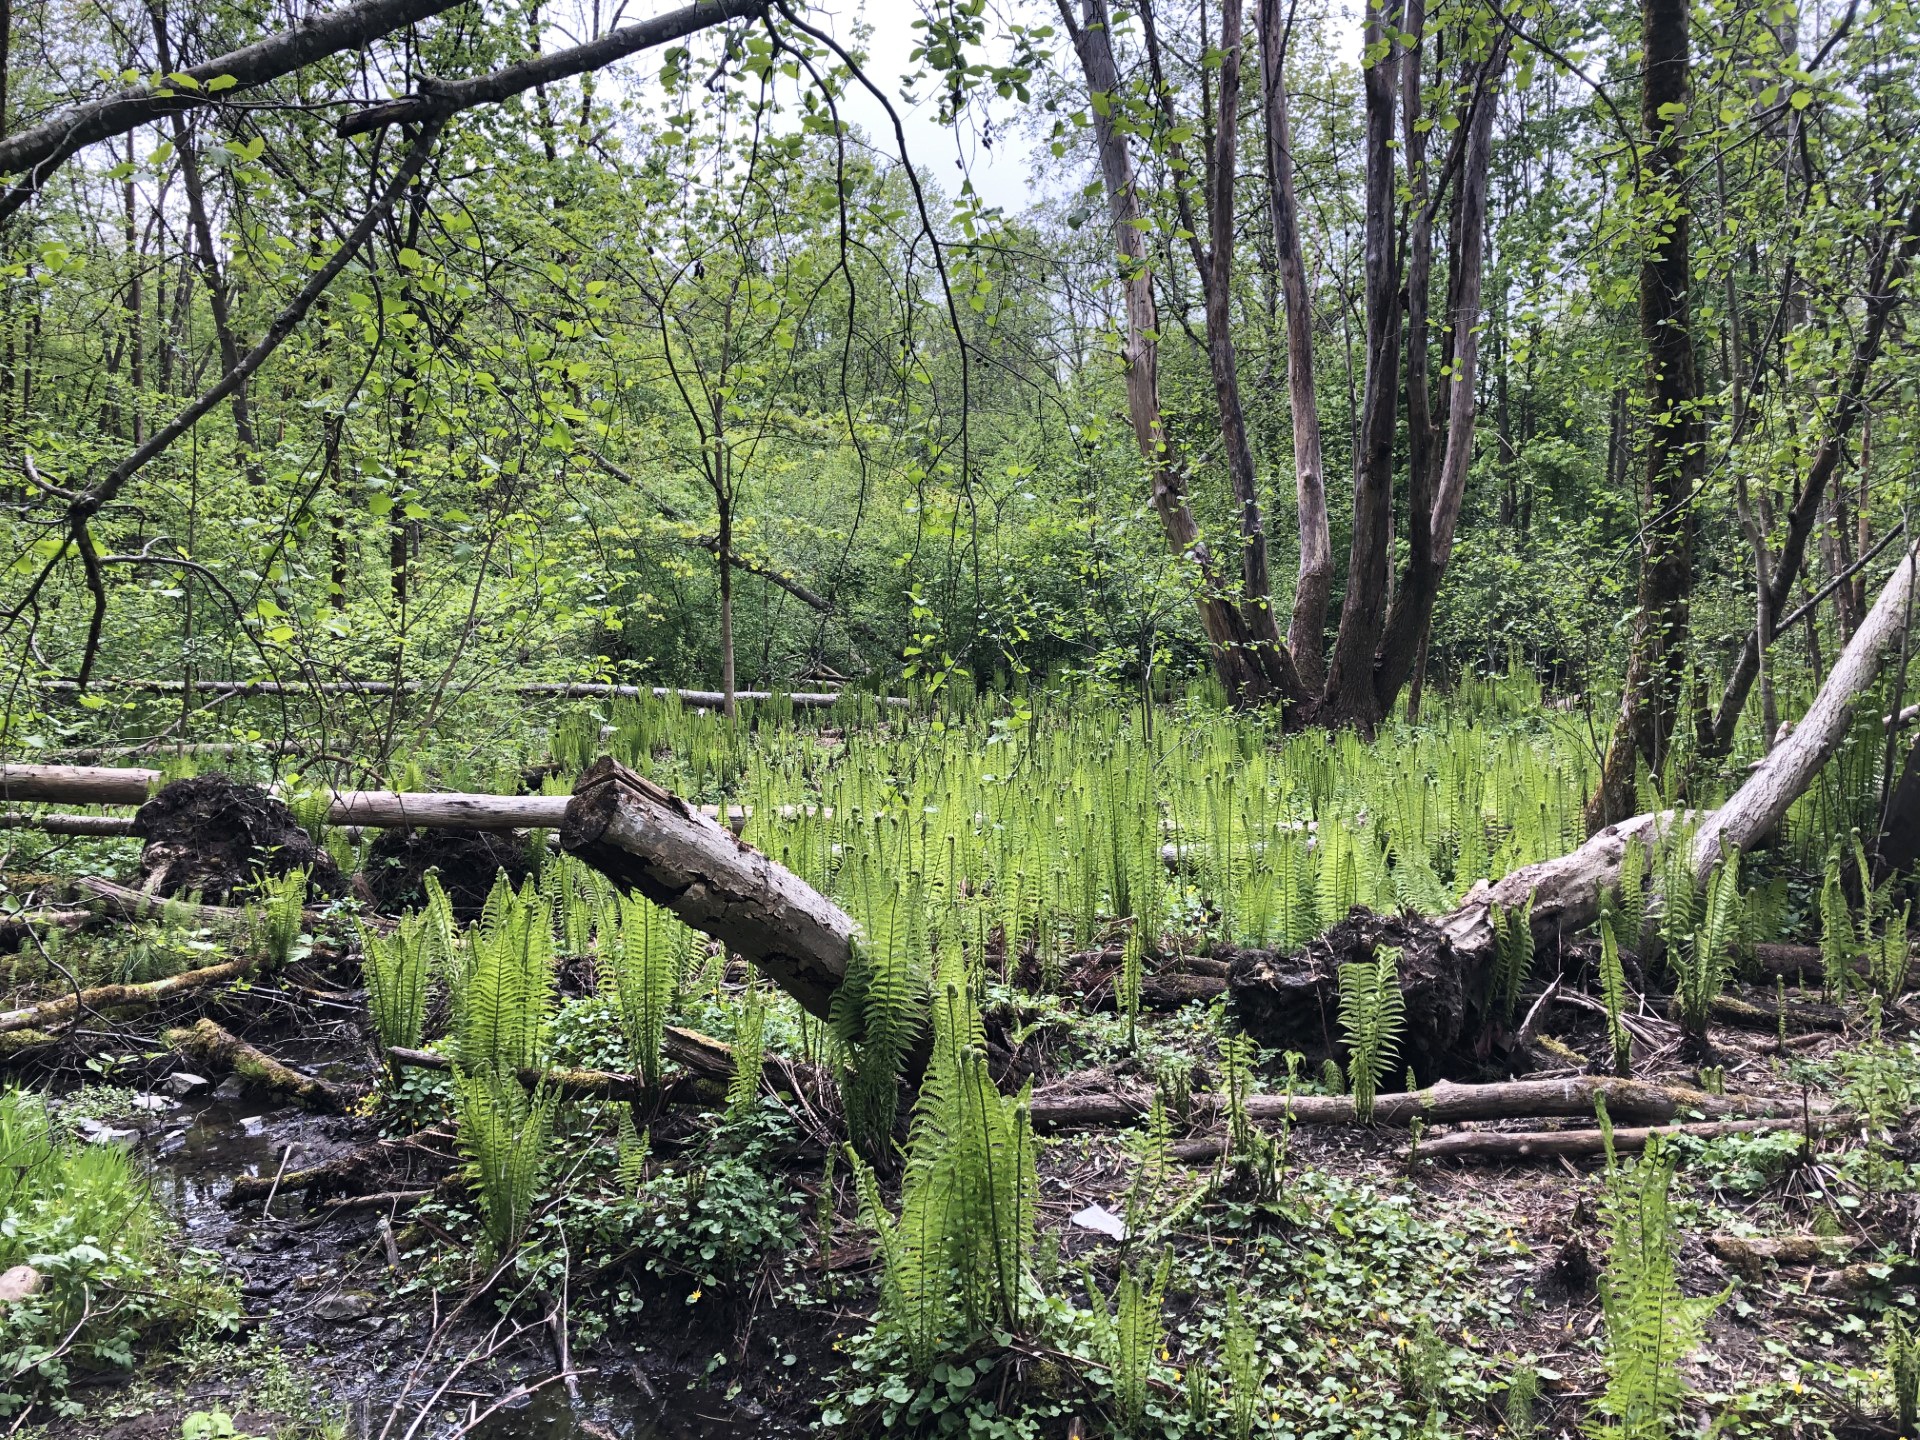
{"x":1350,"y":696}
{"x":723,"y":554}
{"x":1656,"y":665}
{"x":1306,"y":632}
{"x":1437,"y":502}
{"x":1230,"y":643}
{"x":642,"y":837}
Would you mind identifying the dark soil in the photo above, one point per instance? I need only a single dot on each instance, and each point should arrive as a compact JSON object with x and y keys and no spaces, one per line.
{"x":467,"y":862}
{"x":1292,"y":1001}
{"x":215,"y":836}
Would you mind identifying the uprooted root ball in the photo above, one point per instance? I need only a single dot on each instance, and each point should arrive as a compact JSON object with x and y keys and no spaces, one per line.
{"x":213,"y":835}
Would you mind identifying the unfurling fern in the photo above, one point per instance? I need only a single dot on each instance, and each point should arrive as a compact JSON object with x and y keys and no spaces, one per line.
{"x":1630,"y":900}
{"x":959,"y":1257}
{"x":1512,"y":956}
{"x":1246,"y":1371}
{"x":1889,"y":962}
{"x":639,"y":970}
{"x":503,"y":1132}
{"x":280,"y":914}
{"x":1128,"y":1339}
{"x":1613,"y":994}
{"x":1701,"y":968}
{"x":1839,"y":941}
{"x":879,"y":1011}
{"x":1651,"y":1325}
{"x":1372,"y":1015}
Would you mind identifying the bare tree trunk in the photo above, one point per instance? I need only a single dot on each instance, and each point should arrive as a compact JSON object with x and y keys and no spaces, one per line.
{"x":1306,"y":633}
{"x":723,"y":553}
{"x":1230,"y":643}
{"x":1350,"y":696}
{"x":1431,"y":534}
{"x":1651,"y":697}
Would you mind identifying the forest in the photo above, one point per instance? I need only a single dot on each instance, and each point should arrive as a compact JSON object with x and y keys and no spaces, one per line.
{"x":1041,"y":721}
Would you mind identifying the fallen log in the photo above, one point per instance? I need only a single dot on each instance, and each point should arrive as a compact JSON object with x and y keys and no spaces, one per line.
{"x":217,"y":1048}
{"x":120,"y":997}
{"x":355,"y":1167}
{"x":1444,"y":1103}
{"x":241,"y":689}
{"x":706,"y":1060}
{"x":648,"y":839}
{"x":59,"y":823}
{"x":1514,"y":1145}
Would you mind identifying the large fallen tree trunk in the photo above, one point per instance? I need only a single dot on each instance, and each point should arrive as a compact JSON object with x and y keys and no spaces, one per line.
{"x":650,"y":840}
{"x":1440,"y":1104}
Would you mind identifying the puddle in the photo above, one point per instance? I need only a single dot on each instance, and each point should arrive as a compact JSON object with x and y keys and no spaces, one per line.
{"x":549,"y":1415}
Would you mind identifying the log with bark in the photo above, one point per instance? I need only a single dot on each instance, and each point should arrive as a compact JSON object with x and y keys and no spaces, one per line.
{"x":1444,"y":1103}
{"x":650,"y":840}
{"x":1516,"y":1145}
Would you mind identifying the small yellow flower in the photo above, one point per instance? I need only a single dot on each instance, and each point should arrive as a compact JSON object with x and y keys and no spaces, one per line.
{"x":693,"y":1297}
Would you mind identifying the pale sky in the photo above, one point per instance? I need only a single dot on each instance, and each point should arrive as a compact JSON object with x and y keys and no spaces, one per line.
{"x":999,"y":172}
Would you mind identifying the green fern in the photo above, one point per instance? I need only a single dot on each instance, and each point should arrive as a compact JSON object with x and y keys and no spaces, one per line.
{"x":632,"y":1147}
{"x":959,"y":1257}
{"x":1128,"y":1339}
{"x":1613,"y":994}
{"x":1839,"y":940}
{"x":879,"y":1011}
{"x":1902,"y":1352}
{"x":639,"y":973}
{"x":749,"y":1053}
{"x":1651,"y":1325}
{"x":1246,"y":1370}
{"x":1372,"y":1017}
{"x":1512,"y":956}
{"x":504,"y":1134}
{"x":397,"y":968}
{"x":1523,"y":1394}
{"x":280,"y":915}
{"x":502,"y":988}
{"x":1702,"y":968}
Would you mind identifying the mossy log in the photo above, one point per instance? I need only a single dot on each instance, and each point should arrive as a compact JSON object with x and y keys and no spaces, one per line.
{"x":220,"y":1049}
{"x":121,"y":997}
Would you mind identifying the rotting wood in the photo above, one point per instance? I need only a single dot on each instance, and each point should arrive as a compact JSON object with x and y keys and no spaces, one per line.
{"x":1745,"y":1015}
{"x":220,"y":1049}
{"x":707,"y":1061}
{"x":1515,"y":1145}
{"x":1444,"y":1103}
{"x":121,"y":997}
{"x":648,"y":839}
{"x":355,"y":1166}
